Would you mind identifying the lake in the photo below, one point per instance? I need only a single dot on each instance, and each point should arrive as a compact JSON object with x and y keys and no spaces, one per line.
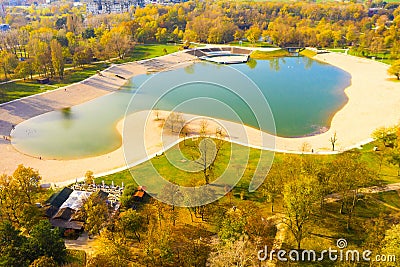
{"x":303,"y":95}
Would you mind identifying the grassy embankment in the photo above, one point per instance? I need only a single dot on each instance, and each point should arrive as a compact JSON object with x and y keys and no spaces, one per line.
{"x":269,"y":54}
{"x":308,"y":53}
{"x":16,"y":90}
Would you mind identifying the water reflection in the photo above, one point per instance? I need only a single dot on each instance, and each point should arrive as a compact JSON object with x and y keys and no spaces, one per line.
{"x":252,"y":63}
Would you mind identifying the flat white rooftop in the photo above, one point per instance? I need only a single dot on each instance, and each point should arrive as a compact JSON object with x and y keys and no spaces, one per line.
{"x":227,"y":59}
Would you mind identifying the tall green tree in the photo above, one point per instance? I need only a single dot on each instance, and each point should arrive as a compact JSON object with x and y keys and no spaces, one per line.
{"x":8,"y":63}
{"x":391,"y":242}
{"x":45,"y":241}
{"x":95,"y":213}
{"x":273,"y":183}
{"x":348,"y":175}
{"x":18,"y":193}
{"x":300,"y":200}
{"x":13,"y":246}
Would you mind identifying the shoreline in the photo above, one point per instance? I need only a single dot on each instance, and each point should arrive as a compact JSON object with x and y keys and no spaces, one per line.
{"x":355,"y":121}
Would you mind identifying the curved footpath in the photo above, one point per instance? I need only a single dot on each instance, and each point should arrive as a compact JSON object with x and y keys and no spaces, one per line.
{"x":374,"y":101}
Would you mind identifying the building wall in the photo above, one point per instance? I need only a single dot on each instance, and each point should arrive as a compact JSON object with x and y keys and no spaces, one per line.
{"x":111,"y":6}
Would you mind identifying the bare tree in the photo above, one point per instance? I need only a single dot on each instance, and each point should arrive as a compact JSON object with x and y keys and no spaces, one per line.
{"x":175,"y":122}
{"x":333,"y":140}
{"x":207,"y":150}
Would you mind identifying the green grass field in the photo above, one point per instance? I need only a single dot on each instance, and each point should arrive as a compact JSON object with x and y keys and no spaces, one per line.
{"x":270,"y":54}
{"x":147,"y":51}
{"x":308,"y":53}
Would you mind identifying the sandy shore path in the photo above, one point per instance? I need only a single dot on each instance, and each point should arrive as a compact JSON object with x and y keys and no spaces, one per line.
{"x":374,"y":101}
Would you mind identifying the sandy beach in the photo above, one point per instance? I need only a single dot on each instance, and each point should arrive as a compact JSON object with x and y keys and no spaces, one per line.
{"x":374,"y":101}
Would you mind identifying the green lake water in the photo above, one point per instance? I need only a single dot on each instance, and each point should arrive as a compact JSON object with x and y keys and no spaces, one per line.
{"x":303,"y":95}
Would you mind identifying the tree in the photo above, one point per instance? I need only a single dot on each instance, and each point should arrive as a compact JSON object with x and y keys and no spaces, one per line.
{"x":89,"y":178}
{"x":8,"y":62}
{"x":333,"y":141}
{"x":175,"y":122}
{"x":391,"y":242}
{"x":112,"y":251}
{"x":82,"y":55}
{"x":17,"y":197}
{"x":235,"y":253}
{"x":44,"y":261}
{"x":57,"y":58}
{"x":131,"y":222}
{"x":27,"y":181}
{"x":394,"y":69}
{"x":232,"y":226}
{"x":95,"y":213}
{"x":162,"y":35}
{"x":88,"y":33}
{"x":386,"y":136}
{"x":24,"y":69}
{"x":348,"y":175}
{"x":299,"y":201}
{"x":116,"y":41}
{"x":394,"y":158}
{"x":206,"y":156}
{"x":39,"y":51}
{"x":387,"y":140}
{"x":273,"y":183}
{"x":13,"y":250}
{"x":45,"y":241}
{"x":73,"y":23}
{"x":253,"y":34}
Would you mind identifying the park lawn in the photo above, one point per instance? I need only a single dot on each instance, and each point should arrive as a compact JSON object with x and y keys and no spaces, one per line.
{"x":146,"y":51}
{"x":372,"y":158}
{"x":269,"y":54}
{"x":381,"y":57}
{"x":391,"y":198}
{"x":308,"y":53}
{"x":80,"y":73}
{"x":15,"y":90}
{"x":19,"y":89}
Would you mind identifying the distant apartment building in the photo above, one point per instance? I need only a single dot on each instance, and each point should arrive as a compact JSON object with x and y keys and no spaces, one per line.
{"x":111,"y":6}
